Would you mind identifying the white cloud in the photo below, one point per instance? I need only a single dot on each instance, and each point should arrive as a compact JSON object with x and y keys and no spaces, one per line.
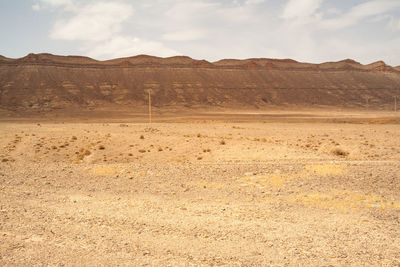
{"x":191,"y":10}
{"x":36,"y":7}
{"x":394,"y":24}
{"x":334,"y":11}
{"x":98,"y":27}
{"x":185,"y":35}
{"x":300,"y":8}
{"x":40,"y":4}
{"x":56,"y":2}
{"x":254,"y":2}
{"x":94,"y":22}
{"x":207,"y":12}
{"x":360,"y":12}
{"x":128,"y":46}
{"x":305,"y":30}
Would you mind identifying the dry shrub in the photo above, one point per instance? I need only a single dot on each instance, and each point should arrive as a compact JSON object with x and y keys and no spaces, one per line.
{"x":160,"y":149}
{"x":340,"y":152}
{"x":142,"y":150}
{"x":101,"y":147}
{"x":82,"y":154}
{"x":222,"y":142}
{"x":198,"y":135}
{"x":237,"y":127}
{"x":142,"y":137}
{"x":206,"y":150}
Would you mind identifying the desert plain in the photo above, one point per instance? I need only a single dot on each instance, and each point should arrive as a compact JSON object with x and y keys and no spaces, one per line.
{"x":318,"y":188}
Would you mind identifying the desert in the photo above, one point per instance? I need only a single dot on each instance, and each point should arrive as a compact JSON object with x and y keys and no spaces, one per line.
{"x":202,"y":133}
{"x":221,"y":188}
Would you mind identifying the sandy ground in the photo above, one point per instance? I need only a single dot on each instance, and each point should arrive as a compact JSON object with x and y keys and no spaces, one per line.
{"x":200,"y":193}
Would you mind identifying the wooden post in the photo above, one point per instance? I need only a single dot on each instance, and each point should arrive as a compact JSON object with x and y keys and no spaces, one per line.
{"x":395,"y":104}
{"x":149,"y":106}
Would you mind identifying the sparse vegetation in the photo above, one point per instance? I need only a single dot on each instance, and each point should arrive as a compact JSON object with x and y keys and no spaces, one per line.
{"x":237,"y":127}
{"x":141,"y":136}
{"x":340,"y":152}
{"x":82,"y":153}
{"x":217,"y":178}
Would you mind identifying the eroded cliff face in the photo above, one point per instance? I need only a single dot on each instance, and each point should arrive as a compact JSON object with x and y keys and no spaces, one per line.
{"x":45,"y":81}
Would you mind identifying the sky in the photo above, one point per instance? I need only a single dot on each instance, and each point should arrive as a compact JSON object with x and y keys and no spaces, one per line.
{"x":313,"y":31}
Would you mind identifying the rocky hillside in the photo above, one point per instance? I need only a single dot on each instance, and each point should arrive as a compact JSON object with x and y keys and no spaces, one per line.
{"x":45,"y":82}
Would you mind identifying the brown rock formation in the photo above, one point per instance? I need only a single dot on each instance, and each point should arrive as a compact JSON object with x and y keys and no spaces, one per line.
{"x":45,"y":81}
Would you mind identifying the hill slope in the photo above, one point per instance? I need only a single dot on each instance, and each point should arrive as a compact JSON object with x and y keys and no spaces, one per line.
{"x":45,"y":81}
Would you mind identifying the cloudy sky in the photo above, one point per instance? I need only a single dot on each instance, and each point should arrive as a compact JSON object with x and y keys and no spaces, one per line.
{"x":305,"y":30}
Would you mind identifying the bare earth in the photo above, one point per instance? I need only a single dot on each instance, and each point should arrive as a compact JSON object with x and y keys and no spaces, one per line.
{"x":260,"y":192}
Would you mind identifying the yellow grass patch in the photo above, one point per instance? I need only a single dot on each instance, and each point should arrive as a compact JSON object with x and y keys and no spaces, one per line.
{"x":346,"y":200}
{"x":327,"y":169}
{"x":107,"y":169}
{"x":56,"y":129}
{"x":271,"y":181}
{"x":276,"y":181}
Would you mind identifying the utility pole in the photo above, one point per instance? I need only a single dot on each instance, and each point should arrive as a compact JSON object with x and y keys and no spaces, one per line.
{"x":149,"y":92}
{"x":395,"y":103}
{"x":367,"y":100}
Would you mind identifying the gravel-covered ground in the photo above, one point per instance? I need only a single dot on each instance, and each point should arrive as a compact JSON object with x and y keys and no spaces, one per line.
{"x":199,"y":194}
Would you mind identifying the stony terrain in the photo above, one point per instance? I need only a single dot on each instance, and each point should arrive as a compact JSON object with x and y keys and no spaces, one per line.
{"x":201,"y":192}
{"x":44,"y":82}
